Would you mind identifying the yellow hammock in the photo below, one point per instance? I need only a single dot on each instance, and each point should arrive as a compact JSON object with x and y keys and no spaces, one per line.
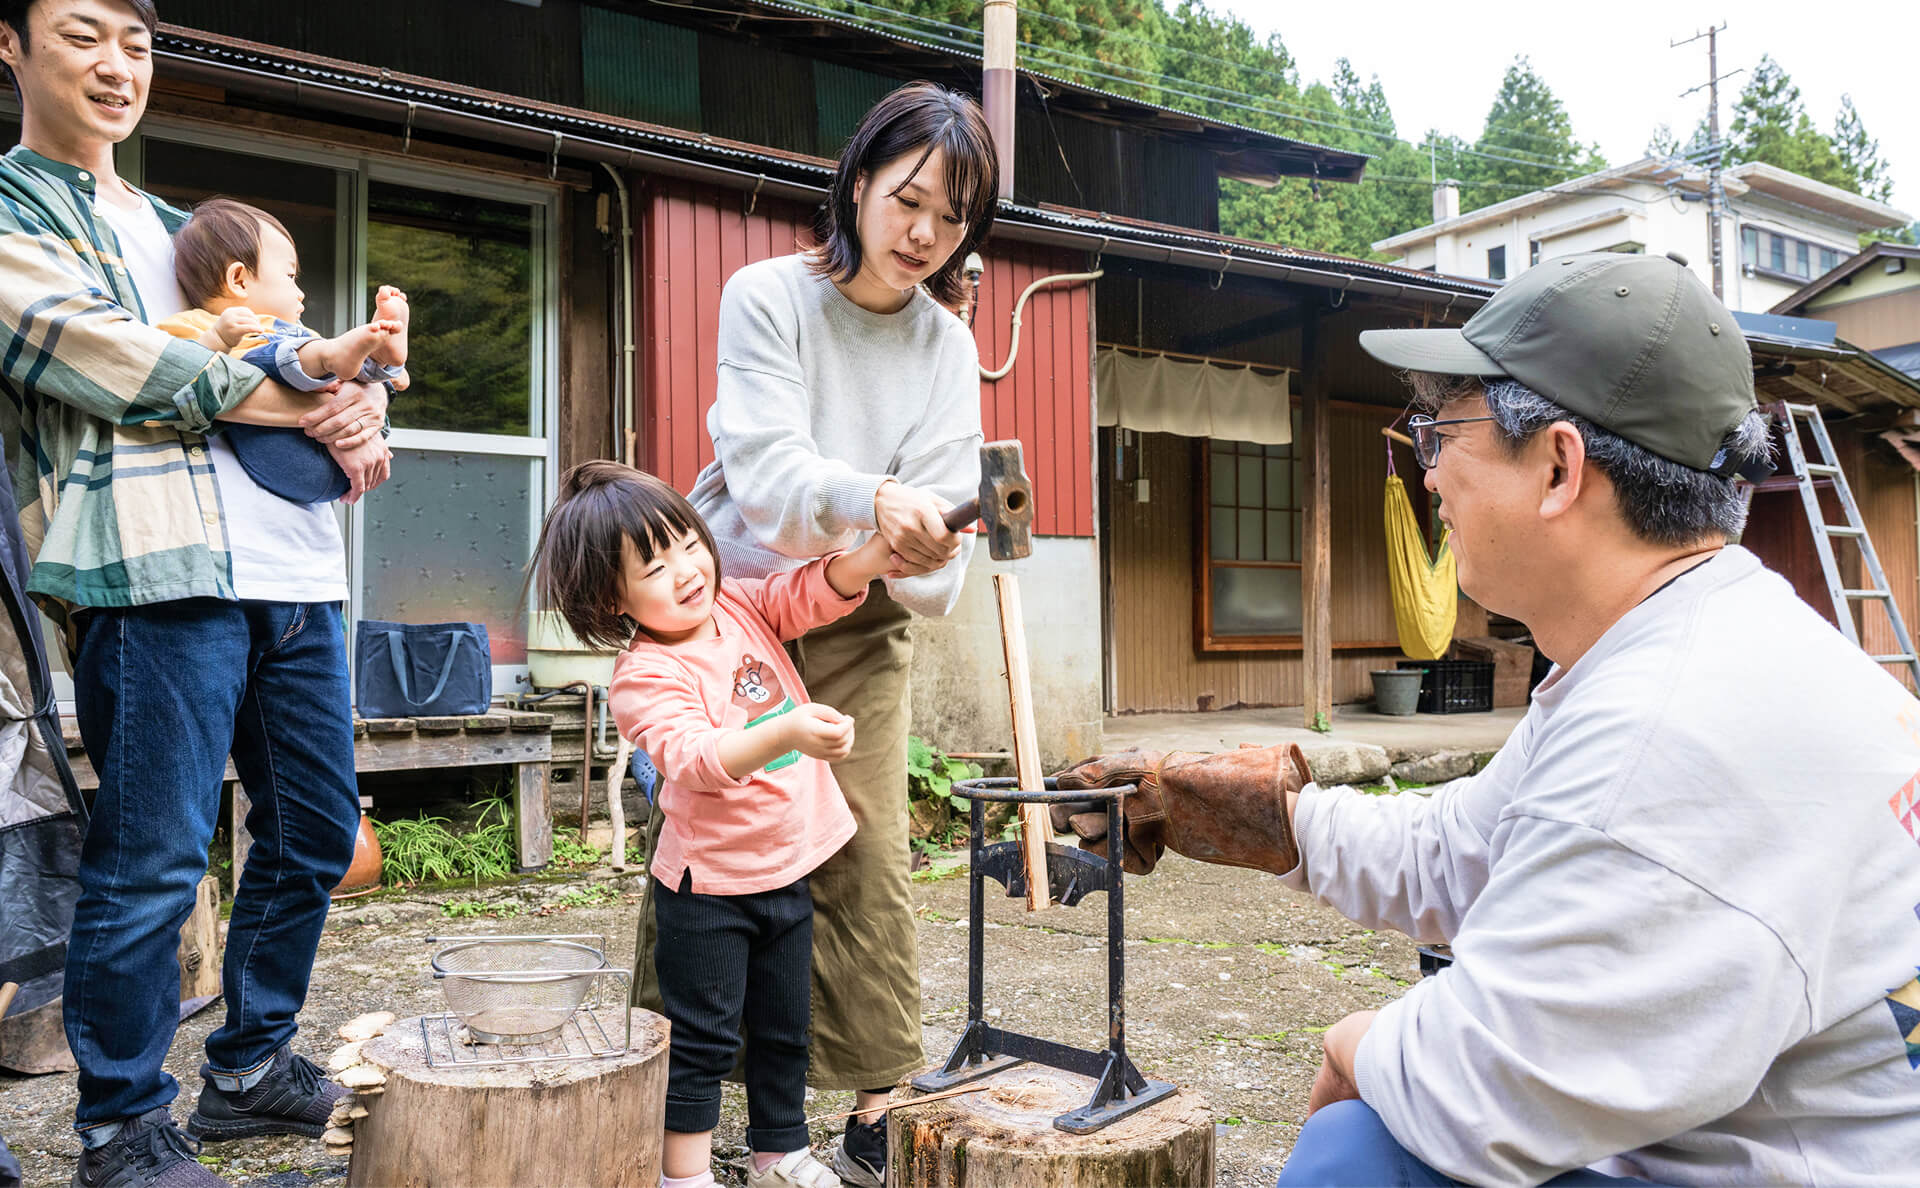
{"x":1424,"y":592}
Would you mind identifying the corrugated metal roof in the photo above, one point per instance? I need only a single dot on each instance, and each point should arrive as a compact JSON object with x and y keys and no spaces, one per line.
{"x":1229,"y":248}
{"x":782,"y":20}
{"x":812,"y":172}
{"x":195,"y":45}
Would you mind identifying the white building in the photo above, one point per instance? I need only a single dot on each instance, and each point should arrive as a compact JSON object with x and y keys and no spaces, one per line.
{"x":1779,"y":231}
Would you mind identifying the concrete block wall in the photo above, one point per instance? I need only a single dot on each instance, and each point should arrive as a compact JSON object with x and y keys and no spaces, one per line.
{"x":959,"y":682}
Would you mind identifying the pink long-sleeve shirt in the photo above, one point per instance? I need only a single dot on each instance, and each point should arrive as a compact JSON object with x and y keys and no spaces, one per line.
{"x":778,"y":824}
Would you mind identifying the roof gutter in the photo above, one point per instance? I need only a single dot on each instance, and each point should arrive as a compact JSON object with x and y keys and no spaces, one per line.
{"x":428,"y":116}
{"x":418,"y":115}
{"x":1221,"y":265}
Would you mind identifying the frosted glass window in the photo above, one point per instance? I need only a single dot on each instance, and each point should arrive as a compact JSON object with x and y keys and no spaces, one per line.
{"x":447,"y":538}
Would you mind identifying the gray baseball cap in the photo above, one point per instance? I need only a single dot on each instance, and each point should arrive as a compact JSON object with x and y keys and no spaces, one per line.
{"x":1635,"y":344}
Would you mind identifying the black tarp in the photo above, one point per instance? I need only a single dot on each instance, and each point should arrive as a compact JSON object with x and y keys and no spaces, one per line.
{"x":42,"y":817}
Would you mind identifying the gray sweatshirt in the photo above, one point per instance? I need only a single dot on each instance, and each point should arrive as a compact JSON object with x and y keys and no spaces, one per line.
{"x":819,"y":402}
{"x":1682,"y":901}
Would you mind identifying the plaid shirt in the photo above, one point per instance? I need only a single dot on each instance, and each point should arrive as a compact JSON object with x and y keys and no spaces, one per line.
{"x":104,"y":417}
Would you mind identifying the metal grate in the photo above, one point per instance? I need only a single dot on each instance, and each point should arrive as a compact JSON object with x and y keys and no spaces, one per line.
{"x":585,"y":1037}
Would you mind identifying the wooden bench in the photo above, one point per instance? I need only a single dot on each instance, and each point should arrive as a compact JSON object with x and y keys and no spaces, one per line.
{"x":515,"y":738}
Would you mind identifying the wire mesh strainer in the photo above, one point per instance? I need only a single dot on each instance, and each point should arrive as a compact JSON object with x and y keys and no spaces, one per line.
{"x":516,"y":990}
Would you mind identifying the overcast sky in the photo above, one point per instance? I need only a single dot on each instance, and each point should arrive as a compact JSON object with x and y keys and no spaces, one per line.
{"x":1610,"y":64}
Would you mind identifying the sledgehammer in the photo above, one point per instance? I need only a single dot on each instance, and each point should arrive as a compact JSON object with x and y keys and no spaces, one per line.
{"x":1005,"y":508}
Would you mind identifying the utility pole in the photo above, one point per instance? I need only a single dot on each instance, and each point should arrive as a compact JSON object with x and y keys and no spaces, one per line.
{"x":1001,"y":37}
{"x":1715,"y":149}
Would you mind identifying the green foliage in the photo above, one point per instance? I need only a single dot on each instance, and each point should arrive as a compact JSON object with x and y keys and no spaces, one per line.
{"x":469,"y":909}
{"x":930,"y":774}
{"x":1526,"y":143}
{"x":569,"y":851}
{"x":1321,"y":723}
{"x":424,"y":850}
{"x":1770,"y":123}
{"x":1859,"y":154}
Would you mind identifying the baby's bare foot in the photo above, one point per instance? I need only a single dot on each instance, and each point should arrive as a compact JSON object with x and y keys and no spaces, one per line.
{"x":390,"y":305}
{"x":344,"y":355}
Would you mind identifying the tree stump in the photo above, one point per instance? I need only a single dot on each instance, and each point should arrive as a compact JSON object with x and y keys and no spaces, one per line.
{"x":1003,"y":1137}
{"x":555,"y":1122}
{"x":200,"y":943}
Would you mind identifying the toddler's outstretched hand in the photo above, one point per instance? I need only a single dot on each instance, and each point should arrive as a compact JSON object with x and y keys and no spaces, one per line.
{"x":822,"y":732}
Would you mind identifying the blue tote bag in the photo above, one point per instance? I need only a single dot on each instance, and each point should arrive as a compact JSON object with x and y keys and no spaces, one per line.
{"x":411,"y":670}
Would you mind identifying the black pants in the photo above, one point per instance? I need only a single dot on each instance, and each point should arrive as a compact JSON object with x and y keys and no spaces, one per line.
{"x":727,"y":959}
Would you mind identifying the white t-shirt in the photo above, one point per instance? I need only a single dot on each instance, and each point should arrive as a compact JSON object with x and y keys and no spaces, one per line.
{"x":282,"y":551}
{"x":1682,"y":901}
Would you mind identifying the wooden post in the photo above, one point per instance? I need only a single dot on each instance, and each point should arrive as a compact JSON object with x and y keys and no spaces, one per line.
{"x":200,"y":943}
{"x":237,"y":832}
{"x":616,"y":806}
{"x":1316,"y":629}
{"x":1035,"y":828}
{"x":574,"y":1122}
{"x":532,"y":818}
{"x":1004,"y":1136}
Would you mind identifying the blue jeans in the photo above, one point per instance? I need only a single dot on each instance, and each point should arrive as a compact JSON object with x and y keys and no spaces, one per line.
{"x":163,"y":693}
{"x":1347,"y":1143}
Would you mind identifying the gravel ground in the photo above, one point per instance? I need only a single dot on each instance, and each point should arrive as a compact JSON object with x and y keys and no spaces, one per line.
{"x":1230,"y":979}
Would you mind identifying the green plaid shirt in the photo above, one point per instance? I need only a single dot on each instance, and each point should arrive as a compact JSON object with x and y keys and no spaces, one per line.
{"x":103,"y":416}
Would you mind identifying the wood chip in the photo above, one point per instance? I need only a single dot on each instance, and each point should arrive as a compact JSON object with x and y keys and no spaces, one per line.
{"x":345,"y":1057}
{"x":362,"y":1077}
{"x":367,"y":1026}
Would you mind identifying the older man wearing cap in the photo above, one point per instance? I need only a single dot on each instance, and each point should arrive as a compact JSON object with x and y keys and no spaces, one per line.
{"x":1683,"y":900}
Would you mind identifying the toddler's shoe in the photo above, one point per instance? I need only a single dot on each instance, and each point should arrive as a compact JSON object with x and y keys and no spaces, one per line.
{"x":795,"y":1169}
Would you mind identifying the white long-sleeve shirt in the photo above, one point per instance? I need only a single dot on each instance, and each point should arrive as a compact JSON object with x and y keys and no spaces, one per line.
{"x":819,"y":402}
{"x":1684,"y":904}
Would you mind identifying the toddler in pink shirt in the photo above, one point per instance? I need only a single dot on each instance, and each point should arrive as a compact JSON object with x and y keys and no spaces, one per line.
{"x":705,"y":689}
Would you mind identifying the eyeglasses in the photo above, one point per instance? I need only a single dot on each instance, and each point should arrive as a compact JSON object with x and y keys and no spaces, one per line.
{"x":1426,"y":442}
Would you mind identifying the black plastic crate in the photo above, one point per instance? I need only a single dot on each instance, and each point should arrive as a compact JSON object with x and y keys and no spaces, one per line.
{"x":1454,"y":686}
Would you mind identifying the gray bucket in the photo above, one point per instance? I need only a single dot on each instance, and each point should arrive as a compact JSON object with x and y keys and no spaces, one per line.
{"x":1396,"y":691}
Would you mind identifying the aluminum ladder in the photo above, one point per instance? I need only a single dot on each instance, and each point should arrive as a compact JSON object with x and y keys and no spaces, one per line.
{"x":1805,"y":472}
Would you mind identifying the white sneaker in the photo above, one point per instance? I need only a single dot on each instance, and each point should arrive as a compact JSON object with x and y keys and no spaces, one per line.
{"x":796,"y":1169}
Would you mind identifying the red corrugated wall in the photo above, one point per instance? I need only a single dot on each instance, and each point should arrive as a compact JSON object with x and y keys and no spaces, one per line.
{"x":693,"y":238}
{"x":1047,"y":399}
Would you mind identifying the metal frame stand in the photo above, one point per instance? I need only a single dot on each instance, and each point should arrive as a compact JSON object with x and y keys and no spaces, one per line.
{"x":1073,"y":874}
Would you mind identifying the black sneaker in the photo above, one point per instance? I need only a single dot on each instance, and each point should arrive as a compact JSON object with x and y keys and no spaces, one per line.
{"x":294,"y":1097}
{"x":149,"y":1152}
{"x":861,"y":1158}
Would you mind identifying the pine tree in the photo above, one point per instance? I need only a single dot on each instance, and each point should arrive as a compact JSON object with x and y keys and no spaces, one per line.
{"x":1527,"y":142}
{"x":1770,"y":124}
{"x":1859,"y":154}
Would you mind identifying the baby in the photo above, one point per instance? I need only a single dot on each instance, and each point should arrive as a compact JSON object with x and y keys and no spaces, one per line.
{"x":237,"y":266}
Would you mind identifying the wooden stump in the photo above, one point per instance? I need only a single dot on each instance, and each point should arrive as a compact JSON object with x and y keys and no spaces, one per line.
{"x":1003,"y":1137}
{"x":200,"y":943}
{"x":594,"y":1122}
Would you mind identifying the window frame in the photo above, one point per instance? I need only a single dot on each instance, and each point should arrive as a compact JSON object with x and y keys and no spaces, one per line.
{"x":1497,"y":254}
{"x":1757,"y":244}
{"x":1205,"y":640}
{"x":360,"y":172}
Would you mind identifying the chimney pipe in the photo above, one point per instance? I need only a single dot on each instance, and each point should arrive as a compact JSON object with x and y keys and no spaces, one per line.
{"x":997,"y":84}
{"x":1446,"y":200}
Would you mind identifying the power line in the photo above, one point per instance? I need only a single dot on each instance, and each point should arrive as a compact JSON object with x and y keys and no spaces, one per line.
{"x":1114,"y":35}
{"x":1260,"y":105}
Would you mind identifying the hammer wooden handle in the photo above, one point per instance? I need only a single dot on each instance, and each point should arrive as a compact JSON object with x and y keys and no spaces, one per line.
{"x":963,"y":515}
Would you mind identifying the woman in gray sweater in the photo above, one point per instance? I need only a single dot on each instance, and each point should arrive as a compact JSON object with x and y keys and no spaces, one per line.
{"x":849,"y":404}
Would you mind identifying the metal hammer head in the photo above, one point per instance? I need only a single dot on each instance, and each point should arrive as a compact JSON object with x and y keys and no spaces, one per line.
{"x":1006,"y":501}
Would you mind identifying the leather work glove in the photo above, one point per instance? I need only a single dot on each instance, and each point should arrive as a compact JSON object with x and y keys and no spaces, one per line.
{"x":1228,"y":808}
